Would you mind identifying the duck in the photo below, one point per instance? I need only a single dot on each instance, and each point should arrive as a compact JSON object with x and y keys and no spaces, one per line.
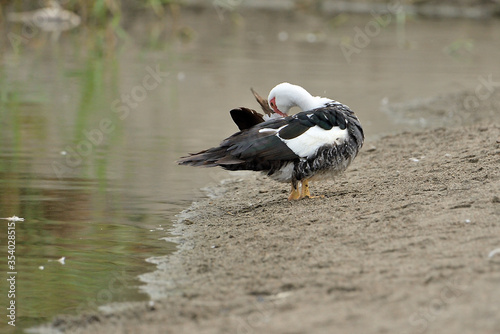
{"x":319,"y":142}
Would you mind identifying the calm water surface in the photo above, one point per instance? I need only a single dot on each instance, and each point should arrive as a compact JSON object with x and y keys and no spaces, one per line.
{"x":91,"y":127}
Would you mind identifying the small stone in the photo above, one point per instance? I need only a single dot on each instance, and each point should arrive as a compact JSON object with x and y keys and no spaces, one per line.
{"x":495,"y":199}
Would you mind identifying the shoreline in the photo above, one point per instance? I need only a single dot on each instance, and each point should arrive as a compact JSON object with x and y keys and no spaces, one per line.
{"x":468,"y":9}
{"x":400,"y":243}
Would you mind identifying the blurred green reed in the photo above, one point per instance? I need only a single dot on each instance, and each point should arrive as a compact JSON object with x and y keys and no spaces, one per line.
{"x":95,"y":11}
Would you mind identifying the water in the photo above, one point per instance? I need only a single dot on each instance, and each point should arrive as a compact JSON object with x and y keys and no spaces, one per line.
{"x":89,"y":135}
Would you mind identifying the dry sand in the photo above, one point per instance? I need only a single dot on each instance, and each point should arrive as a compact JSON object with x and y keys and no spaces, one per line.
{"x":399,"y":244}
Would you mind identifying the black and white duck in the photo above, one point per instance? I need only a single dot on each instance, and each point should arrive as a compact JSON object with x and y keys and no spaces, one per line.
{"x":318,"y":142}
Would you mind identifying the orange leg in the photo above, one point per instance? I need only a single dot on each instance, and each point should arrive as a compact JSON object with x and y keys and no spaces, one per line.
{"x":294,"y":194}
{"x":305,"y":190}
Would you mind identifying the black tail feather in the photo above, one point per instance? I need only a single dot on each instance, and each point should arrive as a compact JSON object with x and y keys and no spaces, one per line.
{"x":245,"y":118}
{"x":216,"y":156}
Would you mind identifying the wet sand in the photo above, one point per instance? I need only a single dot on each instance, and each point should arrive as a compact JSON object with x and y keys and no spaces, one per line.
{"x":399,"y":244}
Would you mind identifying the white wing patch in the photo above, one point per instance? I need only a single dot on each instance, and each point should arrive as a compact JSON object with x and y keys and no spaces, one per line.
{"x":272,"y":131}
{"x":308,"y":143}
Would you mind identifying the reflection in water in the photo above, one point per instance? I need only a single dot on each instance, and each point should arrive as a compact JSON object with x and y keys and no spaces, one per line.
{"x":104,"y":245}
{"x":91,"y":128}
{"x":69,"y":167}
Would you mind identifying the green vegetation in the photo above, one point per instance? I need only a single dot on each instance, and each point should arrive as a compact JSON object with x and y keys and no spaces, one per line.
{"x":97,"y":11}
{"x":105,"y":21}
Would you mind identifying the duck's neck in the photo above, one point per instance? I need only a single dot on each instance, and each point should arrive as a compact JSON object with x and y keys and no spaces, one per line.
{"x":305,"y":101}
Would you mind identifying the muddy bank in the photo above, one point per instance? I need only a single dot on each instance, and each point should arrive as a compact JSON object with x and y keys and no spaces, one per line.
{"x":471,"y":9}
{"x":401,"y":243}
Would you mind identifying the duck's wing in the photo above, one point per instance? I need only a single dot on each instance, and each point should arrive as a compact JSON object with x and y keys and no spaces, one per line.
{"x":263,"y":103}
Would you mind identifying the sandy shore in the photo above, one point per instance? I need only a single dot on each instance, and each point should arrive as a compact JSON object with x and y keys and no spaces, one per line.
{"x":399,"y":244}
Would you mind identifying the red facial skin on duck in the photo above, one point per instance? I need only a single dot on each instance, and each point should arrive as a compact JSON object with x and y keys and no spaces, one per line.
{"x":275,"y":108}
